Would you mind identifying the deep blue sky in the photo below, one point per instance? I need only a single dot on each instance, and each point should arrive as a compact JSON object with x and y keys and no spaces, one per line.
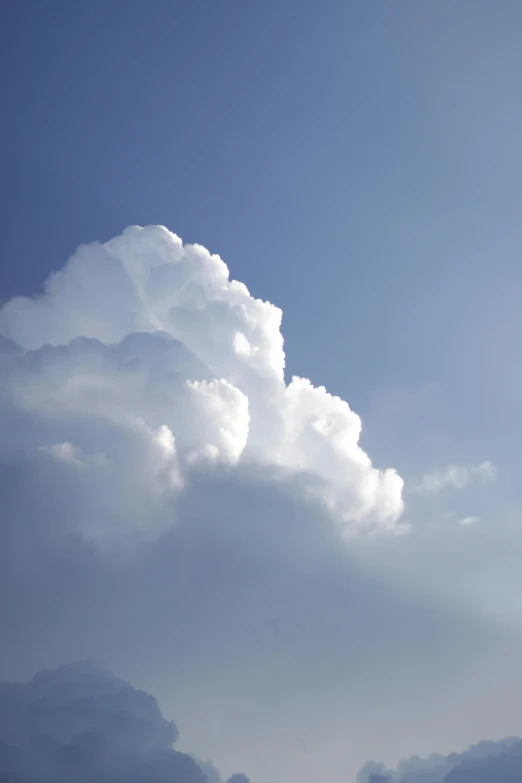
{"x":357,"y":163}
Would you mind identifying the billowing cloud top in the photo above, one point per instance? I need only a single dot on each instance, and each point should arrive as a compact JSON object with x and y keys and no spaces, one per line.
{"x":143,"y":361}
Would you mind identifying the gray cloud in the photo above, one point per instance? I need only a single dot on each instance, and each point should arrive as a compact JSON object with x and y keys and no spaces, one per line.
{"x":81,"y":723}
{"x":485,"y":762}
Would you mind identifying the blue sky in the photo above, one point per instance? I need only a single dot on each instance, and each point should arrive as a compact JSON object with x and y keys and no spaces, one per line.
{"x":358,"y":164}
{"x":374,"y":145}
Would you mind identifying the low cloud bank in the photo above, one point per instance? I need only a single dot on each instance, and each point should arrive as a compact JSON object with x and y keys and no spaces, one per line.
{"x":81,"y":723}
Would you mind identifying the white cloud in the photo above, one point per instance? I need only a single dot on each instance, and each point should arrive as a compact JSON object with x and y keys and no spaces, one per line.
{"x":486,"y":471}
{"x":143,"y":351}
{"x":64,"y":452}
{"x":455,"y":477}
{"x":468,"y":521}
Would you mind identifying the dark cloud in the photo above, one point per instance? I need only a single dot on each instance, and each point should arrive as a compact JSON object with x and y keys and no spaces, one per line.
{"x":504,"y":766}
{"x":80,"y":723}
{"x":486,"y":762}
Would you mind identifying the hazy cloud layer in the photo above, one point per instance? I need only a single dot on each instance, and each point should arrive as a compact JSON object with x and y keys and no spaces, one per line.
{"x":246,"y":618}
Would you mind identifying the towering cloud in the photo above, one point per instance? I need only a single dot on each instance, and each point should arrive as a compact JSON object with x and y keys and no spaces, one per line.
{"x":143,"y":361}
{"x":173,"y":507}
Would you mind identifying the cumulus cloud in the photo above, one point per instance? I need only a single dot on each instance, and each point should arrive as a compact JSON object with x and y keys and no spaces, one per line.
{"x":455,"y":477}
{"x":81,"y":723}
{"x":485,"y":762}
{"x":143,"y":403}
{"x":143,"y":361}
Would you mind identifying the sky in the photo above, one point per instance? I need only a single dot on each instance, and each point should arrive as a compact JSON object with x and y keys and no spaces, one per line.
{"x":295,"y":547}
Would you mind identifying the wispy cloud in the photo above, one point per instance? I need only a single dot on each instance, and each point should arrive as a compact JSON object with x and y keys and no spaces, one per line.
{"x":455,"y":477}
{"x":465,"y":521}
